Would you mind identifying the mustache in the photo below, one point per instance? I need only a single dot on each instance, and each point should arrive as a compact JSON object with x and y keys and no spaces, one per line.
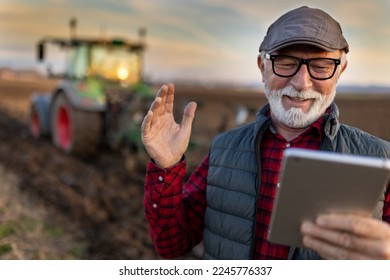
{"x":305,"y":94}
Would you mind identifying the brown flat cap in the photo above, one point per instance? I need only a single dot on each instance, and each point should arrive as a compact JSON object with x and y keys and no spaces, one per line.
{"x":305,"y":25}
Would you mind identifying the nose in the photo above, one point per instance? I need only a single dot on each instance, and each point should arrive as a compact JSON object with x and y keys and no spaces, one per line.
{"x":302,"y":80}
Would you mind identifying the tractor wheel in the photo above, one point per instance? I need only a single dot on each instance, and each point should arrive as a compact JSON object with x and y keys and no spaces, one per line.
{"x":39,"y":116}
{"x":35,"y":124}
{"x":75,"y":131}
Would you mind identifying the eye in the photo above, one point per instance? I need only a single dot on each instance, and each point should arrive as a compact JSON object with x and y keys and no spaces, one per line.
{"x":286,"y":62}
{"x":322,"y":65}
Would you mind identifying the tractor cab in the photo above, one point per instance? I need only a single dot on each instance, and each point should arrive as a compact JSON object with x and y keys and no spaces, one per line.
{"x":99,"y":71}
{"x":101,"y":97}
{"x":112,"y":60}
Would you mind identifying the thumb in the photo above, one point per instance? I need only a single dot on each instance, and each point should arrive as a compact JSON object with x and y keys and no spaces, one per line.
{"x":189,"y":114}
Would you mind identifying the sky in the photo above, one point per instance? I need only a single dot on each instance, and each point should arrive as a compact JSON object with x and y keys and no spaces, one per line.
{"x":196,"y":40}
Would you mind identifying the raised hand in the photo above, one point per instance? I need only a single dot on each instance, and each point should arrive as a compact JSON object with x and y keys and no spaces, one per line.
{"x":165,"y":140}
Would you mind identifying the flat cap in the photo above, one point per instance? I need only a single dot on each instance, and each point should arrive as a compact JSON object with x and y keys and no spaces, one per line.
{"x":305,"y":25}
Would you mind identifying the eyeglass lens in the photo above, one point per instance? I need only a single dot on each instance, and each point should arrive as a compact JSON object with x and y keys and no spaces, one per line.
{"x":319,"y":68}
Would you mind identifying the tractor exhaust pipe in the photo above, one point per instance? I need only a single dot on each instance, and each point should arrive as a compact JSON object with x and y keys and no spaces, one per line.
{"x":73,"y":27}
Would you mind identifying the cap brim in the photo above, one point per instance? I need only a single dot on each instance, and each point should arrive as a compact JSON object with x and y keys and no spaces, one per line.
{"x":302,"y":42}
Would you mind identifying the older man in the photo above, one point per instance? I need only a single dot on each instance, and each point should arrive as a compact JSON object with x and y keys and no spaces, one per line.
{"x":301,"y":59}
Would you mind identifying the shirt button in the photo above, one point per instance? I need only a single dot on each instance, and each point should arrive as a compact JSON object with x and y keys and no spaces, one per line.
{"x":160,"y":178}
{"x":154,"y":205}
{"x":288,"y":145}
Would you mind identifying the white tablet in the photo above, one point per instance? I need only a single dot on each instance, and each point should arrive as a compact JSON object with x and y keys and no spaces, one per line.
{"x":314,"y":182}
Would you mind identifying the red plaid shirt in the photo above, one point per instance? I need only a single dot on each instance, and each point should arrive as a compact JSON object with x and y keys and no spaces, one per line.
{"x":176,"y":213}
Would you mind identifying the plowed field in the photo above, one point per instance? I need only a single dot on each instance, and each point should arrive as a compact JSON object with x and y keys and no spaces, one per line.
{"x":95,"y":204}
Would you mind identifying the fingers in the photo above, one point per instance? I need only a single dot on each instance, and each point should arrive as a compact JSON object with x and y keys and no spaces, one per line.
{"x":156,"y":110}
{"x":163,"y":103}
{"x":362,"y":226}
{"x":347,"y":237}
{"x":331,"y":251}
{"x":146,"y":124}
{"x":189,"y":114}
{"x":157,"y":106}
{"x":336,"y":244}
{"x":170,"y":98}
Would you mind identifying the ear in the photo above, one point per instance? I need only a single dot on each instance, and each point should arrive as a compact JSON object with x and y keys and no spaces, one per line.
{"x":260,"y":64}
{"x":344,"y":66}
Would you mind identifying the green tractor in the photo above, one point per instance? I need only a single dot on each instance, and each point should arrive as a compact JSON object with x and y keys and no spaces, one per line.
{"x":100,"y":100}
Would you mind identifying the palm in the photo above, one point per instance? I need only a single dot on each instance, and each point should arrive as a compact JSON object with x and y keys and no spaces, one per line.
{"x":164,"y":139}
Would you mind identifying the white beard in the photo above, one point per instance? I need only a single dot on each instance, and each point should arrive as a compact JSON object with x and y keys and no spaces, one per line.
{"x":295,"y":117}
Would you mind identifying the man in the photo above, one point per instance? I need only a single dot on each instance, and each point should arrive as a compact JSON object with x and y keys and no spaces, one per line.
{"x":301,"y":59}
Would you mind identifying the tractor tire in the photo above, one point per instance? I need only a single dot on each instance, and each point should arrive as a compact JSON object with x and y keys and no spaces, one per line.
{"x":35,"y":123}
{"x":39,"y":116}
{"x":75,"y":131}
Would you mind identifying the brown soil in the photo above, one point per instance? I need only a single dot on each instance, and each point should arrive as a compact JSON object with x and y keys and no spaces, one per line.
{"x":95,"y":203}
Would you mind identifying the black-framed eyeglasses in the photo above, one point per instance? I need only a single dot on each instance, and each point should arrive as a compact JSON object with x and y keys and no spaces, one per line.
{"x":318,"y":68}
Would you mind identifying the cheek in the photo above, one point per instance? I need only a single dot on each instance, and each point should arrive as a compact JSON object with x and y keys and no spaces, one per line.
{"x":274,"y":82}
{"x":326,"y":88}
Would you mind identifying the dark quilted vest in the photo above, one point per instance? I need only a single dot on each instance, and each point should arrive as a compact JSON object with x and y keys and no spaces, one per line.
{"x":234,"y":176}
